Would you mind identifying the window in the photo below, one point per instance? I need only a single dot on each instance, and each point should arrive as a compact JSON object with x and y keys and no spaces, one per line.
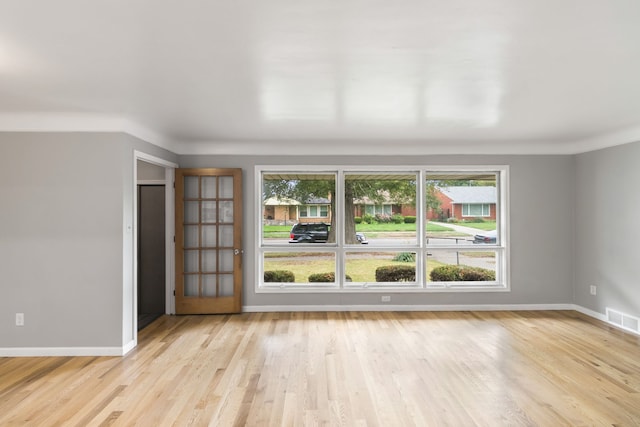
{"x":314,"y":211}
{"x":374,"y":210}
{"x":476,"y":210}
{"x":406,"y":229}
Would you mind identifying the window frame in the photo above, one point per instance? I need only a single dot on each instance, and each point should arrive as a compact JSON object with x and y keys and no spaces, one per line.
{"x":340,"y":249}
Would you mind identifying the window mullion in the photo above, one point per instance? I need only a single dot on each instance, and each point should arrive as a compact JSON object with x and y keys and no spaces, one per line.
{"x":339,"y":220}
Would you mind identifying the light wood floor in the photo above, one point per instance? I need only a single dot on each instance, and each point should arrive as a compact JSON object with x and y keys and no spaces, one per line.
{"x":352,"y":369}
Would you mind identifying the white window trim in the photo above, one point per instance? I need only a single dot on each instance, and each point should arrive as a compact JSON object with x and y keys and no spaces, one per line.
{"x":503,"y":276}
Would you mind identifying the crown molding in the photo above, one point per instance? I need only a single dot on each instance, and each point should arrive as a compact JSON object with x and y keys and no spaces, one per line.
{"x":81,"y":122}
{"x":90,"y":122}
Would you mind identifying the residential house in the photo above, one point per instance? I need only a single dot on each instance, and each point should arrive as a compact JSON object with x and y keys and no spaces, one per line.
{"x":465,"y":202}
{"x":280,"y":210}
{"x":289,"y":211}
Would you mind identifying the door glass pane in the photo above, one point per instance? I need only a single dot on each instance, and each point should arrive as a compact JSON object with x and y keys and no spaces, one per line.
{"x":209,"y":212}
{"x":191,"y":236}
{"x":226,"y":285}
{"x":226,"y":260}
{"x":191,"y":261}
{"x":226,"y":236}
{"x":226,"y":212}
{"x":226,"y":187}
{"x":209,"y":261}
{"x":191,"y":285}
{"x":191,"y":187}
{"x":191,"y":212}
{"x":209,"y":187}
{"x":209,"y":285}
{"x":209,"y":236}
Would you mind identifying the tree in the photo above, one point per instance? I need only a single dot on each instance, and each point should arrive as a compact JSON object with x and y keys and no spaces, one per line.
{"x":400,"y":190}
{"x":302,"y":190}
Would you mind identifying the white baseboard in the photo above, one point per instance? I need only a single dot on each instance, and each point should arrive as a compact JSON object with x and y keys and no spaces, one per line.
{"x":469,"y":307}
{"x":456,"y":307}
{"x":121,"y":351}
{"x":590,"y":313}
{"x":128,"y":347}
{"x":603,"y":318}
{"x":61,"y":351}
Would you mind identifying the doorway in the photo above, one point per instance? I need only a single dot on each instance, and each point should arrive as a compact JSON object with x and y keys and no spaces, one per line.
{"x":151,"y":254}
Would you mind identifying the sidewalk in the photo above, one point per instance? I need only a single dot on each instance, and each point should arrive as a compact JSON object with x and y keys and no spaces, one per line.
{"x":460,"y":228}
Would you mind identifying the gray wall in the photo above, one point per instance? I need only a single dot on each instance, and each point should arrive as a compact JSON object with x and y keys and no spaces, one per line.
{"x":64,"y":248}
{"x":541,"y":228}
{"x":607,"y":230}
{"x":66,"y":254}
{"x":149,"y":172}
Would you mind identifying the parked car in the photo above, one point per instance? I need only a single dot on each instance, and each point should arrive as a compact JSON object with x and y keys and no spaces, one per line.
{"x":316,"y":233}
{"x":488,"y":237}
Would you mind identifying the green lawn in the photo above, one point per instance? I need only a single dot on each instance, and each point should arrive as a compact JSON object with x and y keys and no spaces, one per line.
{"x":486,"y":225}
{"x":282,"y":231}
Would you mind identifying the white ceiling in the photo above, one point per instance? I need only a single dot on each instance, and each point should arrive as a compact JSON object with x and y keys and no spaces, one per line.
{"x":327,"y":76}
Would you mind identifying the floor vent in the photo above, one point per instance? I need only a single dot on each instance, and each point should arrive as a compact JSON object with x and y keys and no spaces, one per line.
{"x":624,"y":321}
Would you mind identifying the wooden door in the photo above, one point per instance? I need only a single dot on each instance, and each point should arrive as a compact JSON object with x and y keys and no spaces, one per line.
{"x":208,"y":241}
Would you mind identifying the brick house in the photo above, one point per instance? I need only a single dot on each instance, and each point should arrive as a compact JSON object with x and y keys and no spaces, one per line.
{"x":289,"y":211}
{"x":465,"y":203}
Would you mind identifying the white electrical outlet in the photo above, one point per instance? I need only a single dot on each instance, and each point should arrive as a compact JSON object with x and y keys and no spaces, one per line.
{"x":386,"y":298}
{"x":593,"y":289}
{"x":19,"y":319}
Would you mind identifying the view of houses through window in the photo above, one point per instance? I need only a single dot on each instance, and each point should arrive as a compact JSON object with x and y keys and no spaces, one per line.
{"x":365,"y":229}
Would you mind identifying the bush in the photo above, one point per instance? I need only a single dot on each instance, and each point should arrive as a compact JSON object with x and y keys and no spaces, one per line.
{"x":368,"y":219}
{"x":477,"y":274}
{"x":409,"y":219}
{"x":397,"y":219}
{"x":405,"y":257}
{"x":445,"y":273}
{"x":357,"y":220}
{"x":461,"y":273}
{"x":478,"y":220}
{"x":279,"y":276}
{"x":383,"y":218}
{"x":325,"y":278}
{"x":396,"y":273}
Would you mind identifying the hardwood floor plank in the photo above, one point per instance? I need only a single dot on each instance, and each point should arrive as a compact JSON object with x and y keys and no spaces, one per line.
{"x":341,"y":368}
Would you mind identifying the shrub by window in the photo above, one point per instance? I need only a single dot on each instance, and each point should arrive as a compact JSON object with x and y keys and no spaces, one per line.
{"x":279,"y":276}
{"x":325,"y":278}
{"x":461,"y":273}
{"x":396,"y":273}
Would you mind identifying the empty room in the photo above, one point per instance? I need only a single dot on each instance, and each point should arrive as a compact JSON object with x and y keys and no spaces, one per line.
{"x":338,"y":213}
